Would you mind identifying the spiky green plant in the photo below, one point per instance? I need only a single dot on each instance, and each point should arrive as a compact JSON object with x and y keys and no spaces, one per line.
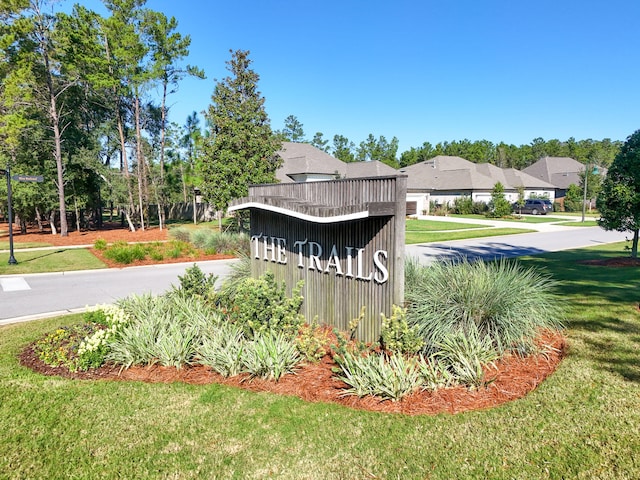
{"x":221,"y":348}
{"x":386,"y":376}
{"x":500,"y":299}
{"x":270,"y":355}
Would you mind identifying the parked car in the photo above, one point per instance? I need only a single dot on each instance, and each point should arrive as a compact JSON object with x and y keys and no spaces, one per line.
{"x":534,"y":206}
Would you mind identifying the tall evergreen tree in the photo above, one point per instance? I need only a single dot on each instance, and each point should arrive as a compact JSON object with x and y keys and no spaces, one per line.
{"x":241,"y":148}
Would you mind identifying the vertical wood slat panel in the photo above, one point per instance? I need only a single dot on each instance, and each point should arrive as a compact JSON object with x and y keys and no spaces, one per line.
{"x":331,"y":298}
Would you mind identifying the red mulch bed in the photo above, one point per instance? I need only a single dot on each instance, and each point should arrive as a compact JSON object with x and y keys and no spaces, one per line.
{"x":111,"y":233}
{"x":512,"y":378}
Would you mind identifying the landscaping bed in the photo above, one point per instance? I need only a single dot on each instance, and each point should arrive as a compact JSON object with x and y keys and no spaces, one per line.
{"x":512,"y":377}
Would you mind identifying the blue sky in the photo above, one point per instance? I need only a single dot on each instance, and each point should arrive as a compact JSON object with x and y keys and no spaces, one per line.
{"x":500,"y":70}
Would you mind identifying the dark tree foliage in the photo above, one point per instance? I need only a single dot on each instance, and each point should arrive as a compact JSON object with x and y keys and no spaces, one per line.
{"x":619,"y":199}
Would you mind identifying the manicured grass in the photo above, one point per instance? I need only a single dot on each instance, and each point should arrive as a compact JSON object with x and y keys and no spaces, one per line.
{"x":413,"y":225}
{"x":60,"y":260}
{"x":426,"y":237}
{"x":582,"y":422}
{"x":586,"y":223}
{"x":4,"y":245}
{"x":523,"y":218}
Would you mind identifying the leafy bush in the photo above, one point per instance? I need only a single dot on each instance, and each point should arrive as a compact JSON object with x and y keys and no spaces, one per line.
{"x":389,"y":377}
{"x":94,"y":348}
{"x":270,"y":355}
{"x":463,"y":205}
{"x":396,"y":334}
{"x":500,"y":299}
{"x":260,"y":304}
{"x":100,"y":244}
{"x":195,"y":283}
{"x":312,"y":341}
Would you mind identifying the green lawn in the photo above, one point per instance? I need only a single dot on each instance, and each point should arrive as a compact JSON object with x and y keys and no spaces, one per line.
{"x":522,"y":219}
{"x":56,"y":260}
{"x":4,"y":245}
{"x":413,"y":225}
{"x":586,"y":223}
{"x":582,"y":422}
{"x":426,"y":237}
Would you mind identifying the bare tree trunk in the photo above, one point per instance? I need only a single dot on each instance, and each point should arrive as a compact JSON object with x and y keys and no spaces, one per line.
{"x":140,"y":156}
{"x":39,"y":220}
{"x":52,"y":222}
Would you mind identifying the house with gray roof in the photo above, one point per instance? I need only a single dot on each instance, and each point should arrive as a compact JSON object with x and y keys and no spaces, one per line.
{"x":302,"y":162}
{"x":558,"y":171}
{"x":443,"y":179}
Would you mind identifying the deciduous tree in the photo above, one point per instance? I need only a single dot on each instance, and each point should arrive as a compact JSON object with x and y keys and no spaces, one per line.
{"x":619,"y":199}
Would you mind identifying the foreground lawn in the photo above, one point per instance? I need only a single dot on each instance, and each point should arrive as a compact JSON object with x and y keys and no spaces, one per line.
{"x":583,"y":422}
{"x":59,"y":260}
{"x":426,"y":237}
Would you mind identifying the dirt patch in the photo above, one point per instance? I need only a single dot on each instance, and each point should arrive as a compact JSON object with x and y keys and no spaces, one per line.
{"x":111,"y":232}
{"x":613,"y":262}
{"x":512,"y":378}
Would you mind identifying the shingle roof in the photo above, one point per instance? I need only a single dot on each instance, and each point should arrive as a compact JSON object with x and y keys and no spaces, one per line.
{"x":374,"y":168}
{"x":444,"y":173}
{"x":559,"y":171}
{"x":303,"y":158}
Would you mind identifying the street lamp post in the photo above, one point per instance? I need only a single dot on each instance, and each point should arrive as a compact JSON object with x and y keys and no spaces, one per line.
{"x":12,"y":259}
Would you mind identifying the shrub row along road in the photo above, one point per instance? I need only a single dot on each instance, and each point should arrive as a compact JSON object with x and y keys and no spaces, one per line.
{"x":32,"y":296}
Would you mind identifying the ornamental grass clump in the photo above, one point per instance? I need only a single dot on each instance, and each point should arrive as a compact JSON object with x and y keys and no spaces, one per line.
{"x":270,"y":355}
{"x":500,"y":301}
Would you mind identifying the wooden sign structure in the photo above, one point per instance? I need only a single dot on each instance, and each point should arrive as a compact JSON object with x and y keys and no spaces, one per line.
{"x":343,"y":238}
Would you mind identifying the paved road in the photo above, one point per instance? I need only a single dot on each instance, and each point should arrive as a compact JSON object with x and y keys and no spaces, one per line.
{"x":24,"y":297}
{"x":550,"y":240}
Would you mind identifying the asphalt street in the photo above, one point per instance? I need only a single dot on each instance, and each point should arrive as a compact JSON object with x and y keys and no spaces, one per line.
{"x":26,"y":297}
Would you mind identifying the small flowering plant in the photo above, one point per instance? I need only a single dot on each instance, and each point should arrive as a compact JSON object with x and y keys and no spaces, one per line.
{"x":110,"y":319}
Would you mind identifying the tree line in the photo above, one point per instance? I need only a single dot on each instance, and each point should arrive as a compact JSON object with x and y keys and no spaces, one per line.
{"x":600,"y":152}
{"x":76,"y":107}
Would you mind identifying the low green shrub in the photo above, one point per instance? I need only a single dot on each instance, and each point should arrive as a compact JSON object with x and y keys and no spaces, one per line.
{"x":312,"y":341}
{"x":259,"y":305}
{"x":194,"y":282}
{"x":100,"y":244}
{"x":397,"y":336}
{"x":465,"y":354}
{"x":60,"y":347}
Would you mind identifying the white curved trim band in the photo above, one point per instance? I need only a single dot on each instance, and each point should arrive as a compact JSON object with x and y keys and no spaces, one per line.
{"x":301,"y":216}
